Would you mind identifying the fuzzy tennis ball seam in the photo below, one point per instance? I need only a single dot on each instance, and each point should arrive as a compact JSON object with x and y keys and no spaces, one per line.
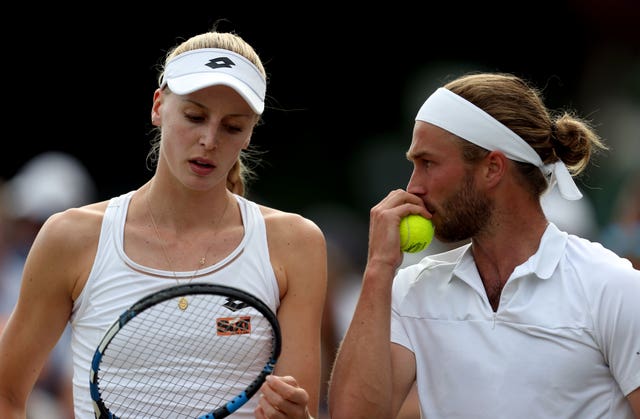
{"x":416,"y":233}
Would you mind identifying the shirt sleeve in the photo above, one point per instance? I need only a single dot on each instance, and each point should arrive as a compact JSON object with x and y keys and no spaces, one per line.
{"x":616,"y":317}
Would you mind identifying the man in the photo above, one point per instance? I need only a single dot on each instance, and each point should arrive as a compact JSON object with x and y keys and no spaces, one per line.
{"x":524,"y":320}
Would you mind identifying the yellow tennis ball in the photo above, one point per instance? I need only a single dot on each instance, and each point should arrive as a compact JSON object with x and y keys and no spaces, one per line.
{"x":416,"y":233}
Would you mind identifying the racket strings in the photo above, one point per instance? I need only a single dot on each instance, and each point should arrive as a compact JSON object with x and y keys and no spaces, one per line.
{"x":166,"y":361}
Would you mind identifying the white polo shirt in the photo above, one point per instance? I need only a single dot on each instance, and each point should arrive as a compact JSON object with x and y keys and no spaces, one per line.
{"x":564,"y":343}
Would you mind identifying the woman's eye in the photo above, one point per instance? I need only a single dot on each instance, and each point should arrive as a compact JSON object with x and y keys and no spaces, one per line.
{"x":194,"y":118}
{"x":234,"y":128}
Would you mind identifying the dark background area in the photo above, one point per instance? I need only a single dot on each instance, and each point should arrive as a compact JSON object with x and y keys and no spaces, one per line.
{"x":344,"y":85}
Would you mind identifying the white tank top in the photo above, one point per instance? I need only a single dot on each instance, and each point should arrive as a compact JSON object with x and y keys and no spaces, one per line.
{"x":116,"y":282}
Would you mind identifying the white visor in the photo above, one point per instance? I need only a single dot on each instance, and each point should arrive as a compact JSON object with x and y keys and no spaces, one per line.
{"x":457,"y":115}
{"x":200,"y":68}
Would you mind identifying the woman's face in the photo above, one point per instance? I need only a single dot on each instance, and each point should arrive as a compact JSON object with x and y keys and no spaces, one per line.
{"x":203,"y":133}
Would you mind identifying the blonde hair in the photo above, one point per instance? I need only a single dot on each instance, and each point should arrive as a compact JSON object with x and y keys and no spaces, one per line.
{"x":242,"y":171}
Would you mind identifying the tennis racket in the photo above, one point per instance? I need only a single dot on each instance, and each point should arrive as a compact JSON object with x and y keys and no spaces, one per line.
{"x":188,"y":351}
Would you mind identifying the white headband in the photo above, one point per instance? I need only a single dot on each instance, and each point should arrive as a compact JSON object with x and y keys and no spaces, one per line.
{"x":200,"y":68}
{"x":460,"y":117}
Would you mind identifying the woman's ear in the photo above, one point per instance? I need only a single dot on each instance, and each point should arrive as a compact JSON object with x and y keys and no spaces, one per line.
{"x":156,"y":118}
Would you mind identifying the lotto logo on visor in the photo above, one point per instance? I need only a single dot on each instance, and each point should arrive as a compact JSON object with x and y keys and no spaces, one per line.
{"x":200,"y":68}
{"x":220,"y":62}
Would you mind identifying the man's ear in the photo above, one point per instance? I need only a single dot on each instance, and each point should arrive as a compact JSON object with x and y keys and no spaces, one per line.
{"x":495,"y":167}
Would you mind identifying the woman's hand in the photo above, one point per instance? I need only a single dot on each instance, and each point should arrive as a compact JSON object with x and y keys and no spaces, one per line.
{"x":281,"y":397}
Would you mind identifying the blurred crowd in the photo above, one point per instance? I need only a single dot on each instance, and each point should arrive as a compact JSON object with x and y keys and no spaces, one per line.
{"x":48,"y":183}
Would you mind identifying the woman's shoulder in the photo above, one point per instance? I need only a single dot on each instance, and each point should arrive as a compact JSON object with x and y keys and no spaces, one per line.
{"x":75,"y":224}
{"x":289,"y":223}
{"x":64,"y":248}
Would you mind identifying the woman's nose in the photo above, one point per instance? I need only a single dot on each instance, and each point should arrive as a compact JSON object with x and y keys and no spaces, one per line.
{"x":209,"y":138}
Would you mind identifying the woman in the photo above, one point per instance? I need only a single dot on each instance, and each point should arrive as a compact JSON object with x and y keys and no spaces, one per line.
{"x":190,"y":222}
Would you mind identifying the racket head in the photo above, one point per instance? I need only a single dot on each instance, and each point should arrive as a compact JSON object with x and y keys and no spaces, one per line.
{"x":223,"y":333}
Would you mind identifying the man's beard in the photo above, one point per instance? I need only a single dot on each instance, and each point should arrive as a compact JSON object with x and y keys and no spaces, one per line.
{"x":463,"y":215}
